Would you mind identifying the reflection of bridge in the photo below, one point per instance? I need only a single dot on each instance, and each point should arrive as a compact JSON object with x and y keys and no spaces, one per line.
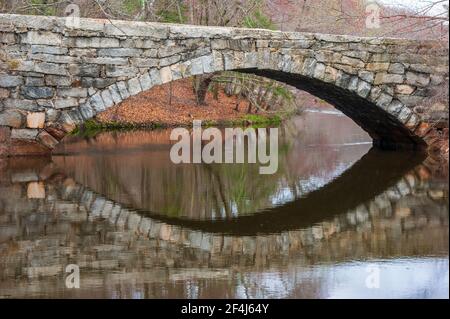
{"x":49,"y":221}
{"x":55,"y":76}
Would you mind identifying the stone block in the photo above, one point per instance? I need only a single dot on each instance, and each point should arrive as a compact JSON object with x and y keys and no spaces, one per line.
{"x":66,"y":103}
{"x":12,"y":118}
{"x":26,"y":134}
{"x":145,"y":81}
{"x":417,"y":79}
{"x":47,"y":139}
{"x":22,"y":104}
{"x":37,"y":92}
{"x":72,"y":92}
{"x":42,"y":37}
{"x":363,"y":89}
{"x":55,"y":80}
{"x":96,"y":102}
{"x":123,"y":90}
{"x":33,"y":81}
{"x":115,"y":94}
{"x":166,"y":74}
{"x":386,"y":78}
{"x":404,"y":89}
{"x":377,"y":66}
{"x":36,"y":120}
{"x":36,"y":190}
{"x":46,"y":49}
{"x":96,"y":42}
{"x":7,"y":81}
{"x":134,"y":87}
{"x":87,"y":111}
{"x":120,"y":52}
{"x":4,"y":93}
{"x":120,"y":71}
{"x":51,"y":68}
{"x":107,"y":98}
{"x":397,"y":68}
{"x":366,"y":76}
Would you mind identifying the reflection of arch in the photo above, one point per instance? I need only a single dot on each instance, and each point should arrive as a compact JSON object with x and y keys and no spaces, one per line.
{"x":120,"y":248}
{"x":368,"y":79}
{"x":368,"y":177}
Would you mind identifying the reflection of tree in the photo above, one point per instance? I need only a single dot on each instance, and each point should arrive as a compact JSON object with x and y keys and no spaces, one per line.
{"x":133,"y":168}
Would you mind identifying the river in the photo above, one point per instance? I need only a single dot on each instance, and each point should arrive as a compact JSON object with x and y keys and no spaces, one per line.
{"x":337,"y":220}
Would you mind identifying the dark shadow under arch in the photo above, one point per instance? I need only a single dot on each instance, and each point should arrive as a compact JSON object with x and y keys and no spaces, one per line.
{"x":370,"y":176}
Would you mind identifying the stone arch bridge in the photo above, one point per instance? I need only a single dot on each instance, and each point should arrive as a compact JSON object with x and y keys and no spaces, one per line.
{"x":55,"y":74}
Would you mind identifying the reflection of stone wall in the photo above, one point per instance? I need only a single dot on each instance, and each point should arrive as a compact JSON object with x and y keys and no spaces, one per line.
{"x":55,"y":76}
{"x":48,"y":221}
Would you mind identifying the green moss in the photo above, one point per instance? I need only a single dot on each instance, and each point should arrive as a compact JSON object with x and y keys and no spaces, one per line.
{"x":92,"y":127}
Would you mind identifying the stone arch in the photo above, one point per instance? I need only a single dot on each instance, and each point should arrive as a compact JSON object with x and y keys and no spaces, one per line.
{"x":376,"y":82}
{"x":388,"y":121}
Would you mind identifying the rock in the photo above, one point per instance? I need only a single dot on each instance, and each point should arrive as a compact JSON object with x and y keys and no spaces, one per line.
{"x":96,"y":42}
{"x":404,"y":89}
{"x":4,"y":93}
{"x":363,"y":89}
{"x":42,"y":37}
{"x":66,"y":103}
{"x":47,"y":139}
{"x":397,"y":68}
{"x":28,"y":105}
{"x":366,"y":76}
{"x":7,"y":81}
{"x":32,"y":81}
{"x":123,"y":90}
{"x":106,"y":60}
{"x":377,"y":66}
{"x":120,"y":71}
{"x":36,"y":190}
{"x":27,"y":147}
{"x":87,"y":111}
{"x":386,"y":78}
{"x":36,"y":120}
{"x":384,"y":100}
{"x":91,"y":70}
{"x":37,"y":92}
{"x":51,"y":68}
{"x":60,"y":81}
{"x":12,"y":118}
{"x":8,"y":38}
{"x":107,"y":98}
{"x":145,"y":81}
{"x":134,"y":87}
{"x":72,"y":92}
{"x":97,"y":102}
{"x":26,"y":134}
{"x":120,"y":52}
{"x":115,"y":94}
{"x":46,"y":49}
{"x":417,"y":79}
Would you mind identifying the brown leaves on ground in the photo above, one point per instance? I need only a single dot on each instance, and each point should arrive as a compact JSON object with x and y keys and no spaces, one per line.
{"x":154,"y":106}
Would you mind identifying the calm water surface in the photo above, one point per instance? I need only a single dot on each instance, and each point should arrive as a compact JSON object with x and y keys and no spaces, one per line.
{"x":334,"y":215}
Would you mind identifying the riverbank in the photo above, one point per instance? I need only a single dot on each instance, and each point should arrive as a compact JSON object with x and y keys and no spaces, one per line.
{"x":175,"y":105}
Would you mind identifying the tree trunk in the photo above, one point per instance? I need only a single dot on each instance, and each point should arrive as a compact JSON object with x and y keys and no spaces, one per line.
{"x":201,"y":86}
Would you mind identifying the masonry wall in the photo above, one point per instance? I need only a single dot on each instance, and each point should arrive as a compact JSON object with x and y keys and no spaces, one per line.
{"x":55,"y":74}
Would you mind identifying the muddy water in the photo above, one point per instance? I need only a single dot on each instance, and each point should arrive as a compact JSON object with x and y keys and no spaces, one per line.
{"x":338,"y":219}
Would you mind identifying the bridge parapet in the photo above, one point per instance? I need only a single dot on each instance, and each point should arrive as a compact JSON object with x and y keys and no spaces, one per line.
{"x":55,"y":75}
